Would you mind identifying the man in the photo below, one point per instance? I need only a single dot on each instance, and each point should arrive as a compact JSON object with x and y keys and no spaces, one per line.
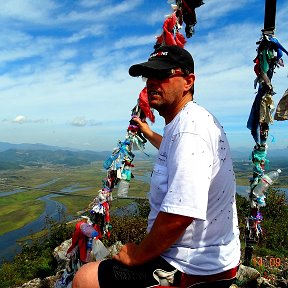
{"x":192,"y":226}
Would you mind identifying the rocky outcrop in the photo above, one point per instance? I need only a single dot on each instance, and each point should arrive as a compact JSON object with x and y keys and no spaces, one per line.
{"x":44,"y":283}
{"x":247,"y":277}
{"x":60,"y":255}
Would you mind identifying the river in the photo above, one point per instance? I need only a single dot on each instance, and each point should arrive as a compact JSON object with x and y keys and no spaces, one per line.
{"x":54,"y":210}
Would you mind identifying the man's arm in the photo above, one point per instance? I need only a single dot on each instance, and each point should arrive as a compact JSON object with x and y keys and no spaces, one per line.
{"x":153,"y":137}
{"x":165,"y":231}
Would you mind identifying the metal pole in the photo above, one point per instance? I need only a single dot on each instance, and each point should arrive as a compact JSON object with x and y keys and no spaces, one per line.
{"x":270,"y":15}
{"x":252,"y":232}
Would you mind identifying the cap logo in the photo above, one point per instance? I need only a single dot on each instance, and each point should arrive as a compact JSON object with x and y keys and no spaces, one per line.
{"x":159,"y":54}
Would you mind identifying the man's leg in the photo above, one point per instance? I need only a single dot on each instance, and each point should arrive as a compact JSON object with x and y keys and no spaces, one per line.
{"x":87,"y":276}
{"x":111,"y":273}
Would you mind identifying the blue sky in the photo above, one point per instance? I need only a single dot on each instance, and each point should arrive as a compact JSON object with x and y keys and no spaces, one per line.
{"x":64,"y":67}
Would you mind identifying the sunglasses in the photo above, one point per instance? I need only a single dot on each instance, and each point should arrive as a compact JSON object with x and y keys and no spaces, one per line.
{"x":162,"y":74}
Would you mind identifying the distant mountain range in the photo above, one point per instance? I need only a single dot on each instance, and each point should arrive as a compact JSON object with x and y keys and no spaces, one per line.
{"x":16,"y":156}
{"x":245,"y":153}
{"x":27,"y":146}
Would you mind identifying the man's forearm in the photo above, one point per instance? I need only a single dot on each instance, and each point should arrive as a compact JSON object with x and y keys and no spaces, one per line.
{"x":154,"y":138}
{"x":165,"y":232}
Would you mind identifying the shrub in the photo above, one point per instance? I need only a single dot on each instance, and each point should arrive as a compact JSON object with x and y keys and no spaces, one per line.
{"x":143,"y":207}
{"x":275,"y":224}
{"x":127,"y":229}
{"x":273,"y":240}
{"x":36,"y":259}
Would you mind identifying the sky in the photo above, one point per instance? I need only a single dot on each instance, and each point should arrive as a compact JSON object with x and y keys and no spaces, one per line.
{"x":64,"y":68}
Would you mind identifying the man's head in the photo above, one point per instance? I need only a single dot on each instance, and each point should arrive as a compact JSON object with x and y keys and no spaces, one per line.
{"x":164,"y":58}
{"x":170,"y":79}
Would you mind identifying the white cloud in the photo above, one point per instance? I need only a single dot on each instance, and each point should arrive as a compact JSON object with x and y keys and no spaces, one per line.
{"x":79,"y":122}
{"x":19,"y":119}
{"x":90,"y":3}
{"x":119,"y":9}
{"x":67,"y":54}
{"x":135,"y":41}
{"x":28,"y":10}
{"x":92,"y":31}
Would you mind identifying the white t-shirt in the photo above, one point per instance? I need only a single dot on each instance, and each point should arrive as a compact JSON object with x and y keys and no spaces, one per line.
{"x":193,"y":176}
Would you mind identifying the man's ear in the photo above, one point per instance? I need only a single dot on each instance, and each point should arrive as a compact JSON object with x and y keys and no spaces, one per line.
{"x":190,"y":79}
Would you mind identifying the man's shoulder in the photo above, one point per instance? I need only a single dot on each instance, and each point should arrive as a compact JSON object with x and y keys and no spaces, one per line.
{"x":198,"y":117}
{"x":198,"y":110}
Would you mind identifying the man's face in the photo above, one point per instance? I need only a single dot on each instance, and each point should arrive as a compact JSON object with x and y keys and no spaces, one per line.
{"x":164,"y":93}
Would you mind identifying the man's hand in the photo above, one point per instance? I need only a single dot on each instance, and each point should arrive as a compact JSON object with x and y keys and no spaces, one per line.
{"x":143,"y":125}
{"x":154,"y":138}
{"x":127,"y":254}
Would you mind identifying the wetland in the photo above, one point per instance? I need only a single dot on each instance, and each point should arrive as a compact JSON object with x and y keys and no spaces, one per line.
{"x":32,"y":195}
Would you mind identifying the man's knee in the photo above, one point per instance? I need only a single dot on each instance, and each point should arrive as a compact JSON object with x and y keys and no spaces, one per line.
{"x":86,"y":276}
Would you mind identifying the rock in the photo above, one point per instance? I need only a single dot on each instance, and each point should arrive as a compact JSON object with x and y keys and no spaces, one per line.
{"x":38,"y":283}
{"x":282,"y":283}
{"x":263,"y":282}
{"x":59,"y":254}
{"x":246,"y":275}
{"x":32,"y":284}
{"x":61,"y":251}
{"x":115,"y":248}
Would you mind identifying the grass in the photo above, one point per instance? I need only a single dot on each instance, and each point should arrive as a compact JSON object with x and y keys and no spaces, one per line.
{"x":78,"y":201}
{"x":28,"y":177}
{"x":19,"y":209}
{"x":14,"y":216}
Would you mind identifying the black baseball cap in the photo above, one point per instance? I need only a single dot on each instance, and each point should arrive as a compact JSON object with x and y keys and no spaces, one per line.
{"x":165,"y":58}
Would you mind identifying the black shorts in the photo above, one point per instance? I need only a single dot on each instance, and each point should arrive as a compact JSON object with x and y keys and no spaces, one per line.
{"x":112,"y":273}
